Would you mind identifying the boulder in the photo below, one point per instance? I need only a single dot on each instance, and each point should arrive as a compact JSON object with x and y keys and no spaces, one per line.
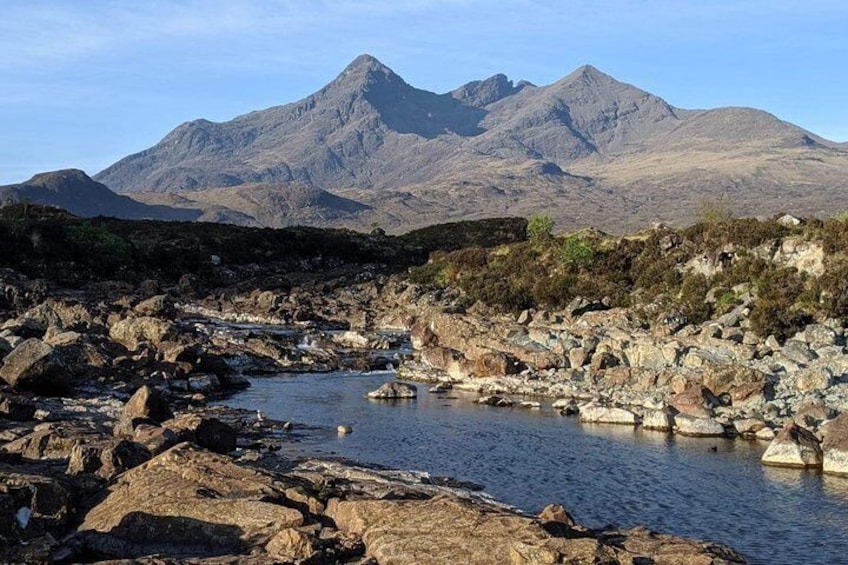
{"x":687,"y":425}
{"x":835,"y":446}
{"x":811,"y":380}
{"x":188,"y":502}
{"x":394,"y":390}
{"x":35,"y":366}
{"x":496,"y":400}
{"x":85,"y":458}
{"x":765,"y":434}
{"x":793,"y":446}
{"x":210,"y":433}
{"x":495,"y":363}
{"x":133,"y":331}
{"x":146,"y":405}
{"x":161,"y":306}
{"x":155,"y":438}
{"x":121,"y":456}
{"x":660,"y":420}
{"x":51,"y":441}
{"x":596,"y":414}
{"x":292,"y":546}
{"x":695,"y":400}
{"x":748,"y":426}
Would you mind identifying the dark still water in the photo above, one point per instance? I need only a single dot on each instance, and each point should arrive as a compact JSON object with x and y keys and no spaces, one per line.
{"x":602,"y":474}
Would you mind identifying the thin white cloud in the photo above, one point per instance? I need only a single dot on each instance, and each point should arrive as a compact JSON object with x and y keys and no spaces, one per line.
{"x":38,"y":33}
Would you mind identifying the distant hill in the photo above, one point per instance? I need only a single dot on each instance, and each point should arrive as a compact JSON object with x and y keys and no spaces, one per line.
{"x":588,"y":149}
{"x":76,"y":192}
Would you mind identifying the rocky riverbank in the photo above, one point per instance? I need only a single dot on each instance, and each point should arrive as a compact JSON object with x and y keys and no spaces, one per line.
{"x":109,"y":448}
{"x":109,"y":451}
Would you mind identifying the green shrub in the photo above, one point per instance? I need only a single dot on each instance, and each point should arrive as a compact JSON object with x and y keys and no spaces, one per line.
{"x":775,"y":311}
{"x":102,"y":250}
{"x":540,"y":228}
{"x":692,"y":299}
{"x":576,"y":252}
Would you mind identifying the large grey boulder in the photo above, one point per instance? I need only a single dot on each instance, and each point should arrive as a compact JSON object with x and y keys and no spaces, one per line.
{"x":36,"y":366}
{"x":794,"y":446}
{"x":596,"y":414}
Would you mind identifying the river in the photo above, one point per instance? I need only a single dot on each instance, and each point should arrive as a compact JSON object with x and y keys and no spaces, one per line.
{"x":603,"y":474}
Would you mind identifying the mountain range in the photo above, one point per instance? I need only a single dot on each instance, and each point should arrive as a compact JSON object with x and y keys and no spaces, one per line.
{"x":368,"y":149}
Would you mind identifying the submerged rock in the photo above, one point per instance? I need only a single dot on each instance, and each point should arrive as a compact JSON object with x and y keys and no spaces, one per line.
{"x":794,"y":446}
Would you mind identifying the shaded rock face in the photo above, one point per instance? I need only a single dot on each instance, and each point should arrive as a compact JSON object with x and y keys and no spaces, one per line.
{"x":835,"y":446}
{"x":794,"y":446}
{"x":188,"y":502}
{"x":210,"y":433}
{"x":33,"y":365}
{"x":30,"y":507}
{"x":146,"y":405}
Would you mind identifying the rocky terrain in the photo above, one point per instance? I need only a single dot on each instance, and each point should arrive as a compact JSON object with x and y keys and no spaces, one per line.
{"x":74,"y":191}
{"x":110,"y":450}
{"x":116,"y":336}
{"x":588,"y":149}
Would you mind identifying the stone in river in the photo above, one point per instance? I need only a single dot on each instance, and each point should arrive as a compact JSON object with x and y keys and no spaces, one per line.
{"x":794,"y":446}
{"x":394,"y":390}
{"x":835,"y":446}
{"x":687,"y":425}
{"x":596,"y":414}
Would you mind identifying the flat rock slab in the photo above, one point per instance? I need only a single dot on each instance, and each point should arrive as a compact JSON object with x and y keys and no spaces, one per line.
{"x":605,"y":415}
{"x":188,"y":501}
{"x":446,"y":531}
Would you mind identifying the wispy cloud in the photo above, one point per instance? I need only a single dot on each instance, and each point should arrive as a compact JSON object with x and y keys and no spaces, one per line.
{"x":45,"y":33}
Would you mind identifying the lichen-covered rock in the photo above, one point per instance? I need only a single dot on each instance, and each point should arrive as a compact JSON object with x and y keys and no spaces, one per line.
{"x":793,"y":446}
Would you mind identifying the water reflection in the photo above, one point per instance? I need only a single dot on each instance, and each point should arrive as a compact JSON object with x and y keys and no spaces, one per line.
{"x":601,"y":473}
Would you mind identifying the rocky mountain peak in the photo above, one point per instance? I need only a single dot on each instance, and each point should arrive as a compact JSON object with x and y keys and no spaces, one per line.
{"x":481,"y":93}
{"x":64,"y":178}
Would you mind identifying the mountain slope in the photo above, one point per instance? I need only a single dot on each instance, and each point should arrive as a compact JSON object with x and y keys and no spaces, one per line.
{"x":586,"y":149}
{"x":74,"y":191}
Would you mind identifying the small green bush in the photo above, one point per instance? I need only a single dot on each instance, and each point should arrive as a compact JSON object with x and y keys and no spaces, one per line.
{"x":540,"y":228}
{"x":576,"y":252}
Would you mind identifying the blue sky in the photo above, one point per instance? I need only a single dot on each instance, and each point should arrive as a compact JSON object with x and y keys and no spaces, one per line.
{"x":86,"y":82}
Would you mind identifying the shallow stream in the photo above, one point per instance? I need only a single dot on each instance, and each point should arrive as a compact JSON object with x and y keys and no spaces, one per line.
{"x":602,"y":474}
